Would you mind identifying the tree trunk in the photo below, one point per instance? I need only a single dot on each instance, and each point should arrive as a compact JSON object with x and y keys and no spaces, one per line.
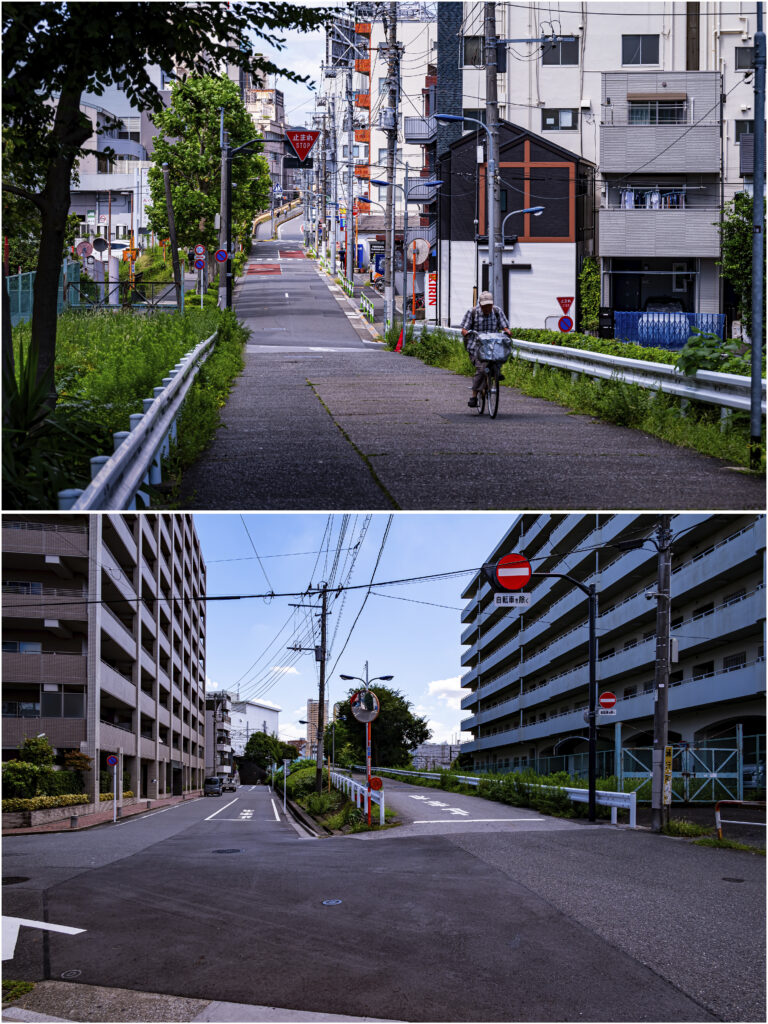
{"x":70,"y":130}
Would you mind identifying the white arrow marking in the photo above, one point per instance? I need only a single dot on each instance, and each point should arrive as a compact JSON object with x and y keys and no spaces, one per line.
{"x":436,"y":803}
{"x":456,"y":810}
{"x":417,"y":797}
{"x":11,"y":927}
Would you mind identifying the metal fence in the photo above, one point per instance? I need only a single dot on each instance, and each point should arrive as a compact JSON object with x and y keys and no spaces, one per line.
{"x":358,"y":793}
{"x":21,"y":290}
{"x":665,"y":330}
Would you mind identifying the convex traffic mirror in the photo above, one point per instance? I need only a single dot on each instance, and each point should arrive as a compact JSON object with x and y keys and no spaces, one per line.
{"x":365,"y":705}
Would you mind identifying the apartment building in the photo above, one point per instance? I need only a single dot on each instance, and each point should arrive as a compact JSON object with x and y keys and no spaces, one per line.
{"x":313,"y":709}
{"x":250,"y":716}
{"x":435,"y":755}
{"x":104,"y":643}
{"x":526,"y":670}
{"x":219,"y":756}
{"x":658,"y":96}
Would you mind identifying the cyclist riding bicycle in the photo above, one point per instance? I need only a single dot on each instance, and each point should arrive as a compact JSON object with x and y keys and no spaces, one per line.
{"x":481,"y":319}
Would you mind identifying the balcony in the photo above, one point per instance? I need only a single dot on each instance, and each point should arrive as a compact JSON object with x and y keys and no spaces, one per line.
{"x":60,"y":732}
{"x":37,"y":602}
{"x":419,"y":131}
{"x":65,"y":540}
{"x":363,"y":28}
{"x":427,"y":232}
{"x":363,"y":66}
{"x":363,"y":135}
{"x":362,"y":171}
{"x":116,"y":684}
{"x":664,"y":233}
{"x":363,"y":99}
{"x":113,"y":739}
{"x":418,"y":193}
{"x":48,"y":668}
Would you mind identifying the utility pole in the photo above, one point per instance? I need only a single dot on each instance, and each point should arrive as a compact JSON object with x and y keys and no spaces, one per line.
{"x":493,"y":195}
{"x":661,"y":680}
{"x":758,"y":247}
{"x":321,"y":706}
{"x":350,"y":271}
{"x":172,"y":237}
{"x":324,"y":190}
{"x":334,"y":189}
{"x":393,"y":76}
{"x":223,"y":143}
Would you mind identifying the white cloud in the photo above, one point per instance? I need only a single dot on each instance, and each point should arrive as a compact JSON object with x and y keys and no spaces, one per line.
{"x":286,"y":670}
{"x":448,"y":692}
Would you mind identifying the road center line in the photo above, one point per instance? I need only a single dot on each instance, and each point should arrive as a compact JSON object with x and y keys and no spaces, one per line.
{"x":275,"y":810}
{"x":221,"y":809}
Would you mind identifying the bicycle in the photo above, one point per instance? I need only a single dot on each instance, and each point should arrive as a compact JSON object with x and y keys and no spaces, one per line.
{"x":493,"y":350}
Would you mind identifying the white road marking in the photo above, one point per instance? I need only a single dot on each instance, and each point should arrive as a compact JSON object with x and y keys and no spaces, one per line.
{"x":286,"y":295}
{"x":221,"y":809}
{"x":11,"y":927}
{"x":468,"y":821}
{"x":277,"y":816}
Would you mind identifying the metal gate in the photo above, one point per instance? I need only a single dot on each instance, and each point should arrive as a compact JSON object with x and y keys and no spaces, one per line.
{"x":699,"y":774}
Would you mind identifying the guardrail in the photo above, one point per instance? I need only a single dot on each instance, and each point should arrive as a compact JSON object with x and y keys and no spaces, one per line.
{"x":727,"y":390}
{"x":358,"y":793}
{"x":719,"y":822}
{"x":137,"y":460}
{"x":346,"y":284}
{"x":605,"y":797}
{"x":366,"y":308}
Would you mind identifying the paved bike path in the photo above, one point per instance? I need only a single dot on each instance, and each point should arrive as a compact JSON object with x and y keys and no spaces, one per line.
{"x":322,"y":418}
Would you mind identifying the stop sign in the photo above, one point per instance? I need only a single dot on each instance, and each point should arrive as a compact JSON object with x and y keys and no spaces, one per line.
{"x":513,"y":571}
{"x":607,"y":700}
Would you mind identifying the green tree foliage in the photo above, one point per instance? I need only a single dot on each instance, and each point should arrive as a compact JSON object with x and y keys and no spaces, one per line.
{"x":394,"y":734}
{"x":37,"y":750}
{"x":589,"y":294}
{"x":262,"y":748}
{"x":188,"y":141}
{"x":736,"y":235}
{"x":68,"y":49}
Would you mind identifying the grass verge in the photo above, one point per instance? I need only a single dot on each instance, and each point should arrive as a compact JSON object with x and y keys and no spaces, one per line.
{"x":614,"y":401}
{"x":13,"y":990}
{"x":729,"y":844}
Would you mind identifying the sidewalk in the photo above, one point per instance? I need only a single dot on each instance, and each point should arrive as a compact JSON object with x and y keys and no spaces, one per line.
{"x":65,"y":1001}
{"x":101,"y":817}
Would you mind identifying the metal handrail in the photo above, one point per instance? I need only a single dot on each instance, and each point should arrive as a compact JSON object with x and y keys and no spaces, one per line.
{"x":120,"y":478}
{"x":728,"y":390}
{"x":359,"y":793}
{"x":719,"y":822}
{"x":606,"y":797}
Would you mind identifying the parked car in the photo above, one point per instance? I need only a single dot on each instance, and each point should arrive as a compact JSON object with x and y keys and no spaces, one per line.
{"x":229,"y":783}
{"x":212,"y":786}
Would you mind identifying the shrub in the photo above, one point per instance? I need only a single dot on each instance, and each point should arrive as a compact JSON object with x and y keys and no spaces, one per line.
{"x":39,"y":803}
{"x":21,"y":779}
{"x":302,"y":782}
{"x":319,"y":803}
{"x":57,"y":783}
{"x":111,"y":796}
{"x":589,"y":294}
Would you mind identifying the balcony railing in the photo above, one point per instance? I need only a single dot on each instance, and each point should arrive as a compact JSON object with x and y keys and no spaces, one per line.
{"x":420,"y":131}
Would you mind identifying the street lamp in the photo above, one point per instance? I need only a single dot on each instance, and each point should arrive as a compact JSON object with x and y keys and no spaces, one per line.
{"x":404,"y":190}
{"x":230,"y":154}
{"x":494,"y":274}
{"x":535,"y":210}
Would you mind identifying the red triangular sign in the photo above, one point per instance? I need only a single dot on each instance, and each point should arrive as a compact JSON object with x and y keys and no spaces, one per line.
{"x":302,"y":140}
{"x":565,"y":303}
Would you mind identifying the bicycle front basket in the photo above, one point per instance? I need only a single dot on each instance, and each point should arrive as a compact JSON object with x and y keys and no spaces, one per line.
{"x":494,"y":347}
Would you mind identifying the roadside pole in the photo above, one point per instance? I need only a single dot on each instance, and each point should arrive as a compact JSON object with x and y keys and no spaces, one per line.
{"x":172,"y":235}
{"x":661,"y":681}
{"x":592,"y":642}
{"x":350,"y":265}
{"x":493,"y":200}
{"x":405,"y":251}
{"x":389,"y":215}
{"x":758,"y":248}
{"x":334,"y":190}
{"x":321,"y":705}
{"x":286,"y":762}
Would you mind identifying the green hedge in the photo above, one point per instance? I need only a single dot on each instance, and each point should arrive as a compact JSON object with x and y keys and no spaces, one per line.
{"x":39,"y":803}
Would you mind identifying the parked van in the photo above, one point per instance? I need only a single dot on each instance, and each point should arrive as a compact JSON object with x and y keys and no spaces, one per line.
{"x":212,"y":786}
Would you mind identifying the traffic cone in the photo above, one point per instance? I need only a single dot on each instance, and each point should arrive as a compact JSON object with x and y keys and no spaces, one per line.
{"x":399,"y":345}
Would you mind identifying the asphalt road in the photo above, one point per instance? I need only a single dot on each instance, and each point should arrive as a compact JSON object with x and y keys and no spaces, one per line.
{"x":221,"y":899}
{"x":323,"y":417}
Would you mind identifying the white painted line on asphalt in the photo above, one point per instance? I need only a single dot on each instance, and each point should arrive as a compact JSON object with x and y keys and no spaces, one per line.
{"x":286,"y":295}
{"x":275,"y":810}
{"x":221,"y":809}
{"x":469,"y":821}
{"x":11,"y":927}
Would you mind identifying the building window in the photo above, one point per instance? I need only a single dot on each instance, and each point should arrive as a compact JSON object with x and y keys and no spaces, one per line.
{"x":742,"y":128}
{"x":703,"y":669}
{"x":735,"y":597}
{"x":563,"y":120}
{"x":658,"y":111}
{"x":560,"y":53}
{"x":630,"y":691}
{"x":474,"y":55}
{"x":705,"y":609}
{"x":21,"y":702}
{"x":734,"y":661}
{"x":383,"y":87}
{"x":744,"y":58}
{"x":22,"y":647}
{"x":382,"y":157}
{"x":22,"y":587}
{"x":477,"y":113}
{"x":639,"y":49}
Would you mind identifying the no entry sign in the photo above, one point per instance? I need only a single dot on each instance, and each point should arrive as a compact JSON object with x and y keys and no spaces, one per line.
{"x":607,"y":700}
{"x":513,"y":571}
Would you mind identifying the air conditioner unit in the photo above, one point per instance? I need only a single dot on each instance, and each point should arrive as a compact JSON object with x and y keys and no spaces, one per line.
{"x":586,"y":103}
{"x":386,"y":118}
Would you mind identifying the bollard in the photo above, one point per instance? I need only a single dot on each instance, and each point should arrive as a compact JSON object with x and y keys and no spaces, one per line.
{"x":119,"y":812}
{"x":149,"y":805}
{"x":73,"y":820}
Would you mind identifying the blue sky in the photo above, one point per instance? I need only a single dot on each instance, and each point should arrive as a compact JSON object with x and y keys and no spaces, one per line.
{"x":418,"y":643}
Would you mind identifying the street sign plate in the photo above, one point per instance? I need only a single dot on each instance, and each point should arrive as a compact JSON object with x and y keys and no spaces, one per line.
{"x":220,"y":256}
{"x":199,"y":250}
{"x":376,"y":782}
{"x":565,"y":302}
{"x":606,"y":712}
{"x":512,"y":600}
{"x":302,"y":140}
{"x":199,"y":264}
{"x":565,"y":323}
{"x":607,"y":699}
{"x":513,"y":571}
{"x":112,"y":759}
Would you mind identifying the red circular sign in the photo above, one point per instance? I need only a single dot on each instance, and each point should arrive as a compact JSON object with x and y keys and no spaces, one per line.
{"x":376,"y":782}
{"x":607,"y":700}
{"x":513,"y":572}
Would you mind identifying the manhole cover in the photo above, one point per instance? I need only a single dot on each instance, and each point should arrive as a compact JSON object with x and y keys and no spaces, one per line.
{"x":227,"y":851}
{"x":14,"y":879}
{"x":331,"y":903}
{"x":69,"y":975}
{"x":733,"y":879}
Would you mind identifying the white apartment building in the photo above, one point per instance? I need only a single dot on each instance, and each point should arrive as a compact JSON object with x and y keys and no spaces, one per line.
{"x":526,"y":670}
{"x":250,"y":716}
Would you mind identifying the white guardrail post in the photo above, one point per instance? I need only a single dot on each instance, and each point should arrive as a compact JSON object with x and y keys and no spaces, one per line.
{"x":117,"y":480}
{"x":606,"y":797}
{"x":727,"y":390}
{"x":359,"y":793}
